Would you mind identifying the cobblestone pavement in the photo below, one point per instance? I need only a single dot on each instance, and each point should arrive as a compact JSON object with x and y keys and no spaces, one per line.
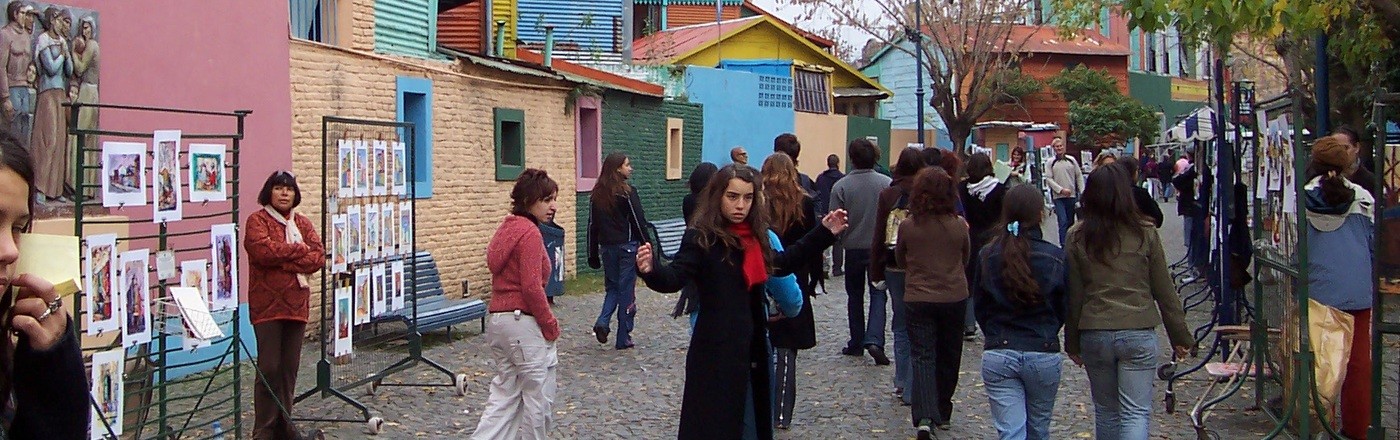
{"x":636,"y":394}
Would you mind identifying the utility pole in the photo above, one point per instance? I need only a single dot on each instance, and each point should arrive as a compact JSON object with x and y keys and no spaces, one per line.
{"x":917,"y":35}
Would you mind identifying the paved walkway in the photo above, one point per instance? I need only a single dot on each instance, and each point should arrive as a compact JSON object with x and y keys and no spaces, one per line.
{"x":636,"y":394}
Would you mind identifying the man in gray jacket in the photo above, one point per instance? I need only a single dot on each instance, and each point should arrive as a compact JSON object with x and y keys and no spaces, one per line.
{"x":1066,"y":181}
{"x":858,"y":193}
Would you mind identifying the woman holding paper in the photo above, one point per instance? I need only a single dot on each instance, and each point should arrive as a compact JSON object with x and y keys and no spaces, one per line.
{"x":46,"y":385}
{"x":283,"y":248}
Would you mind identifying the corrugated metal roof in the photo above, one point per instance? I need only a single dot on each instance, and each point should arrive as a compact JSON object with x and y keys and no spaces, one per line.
{"x":502,"y":64}
{"x":687,"y":2}
{"x":584,"y":74}
{"x":692,"y":14}
{"x":461,"y":28}
{"x":579,"y":26}
{"x":402,"y":27}
{"x":663,"y":47}
{"x":853,"y":92}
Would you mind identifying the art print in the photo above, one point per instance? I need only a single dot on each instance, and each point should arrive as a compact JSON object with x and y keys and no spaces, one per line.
{"x":388,"y":288}
{"x":354,"y":232}
{"x":381,"y":168}
{"x":195,"y":274}
{"x":194,"y":312}
{"x":363,"y":295}
{"x":224,"y":239}
{"x":372,"y":232}
{"x":123,"y":174}
{"x":362,"y":169}
{"x":166,"y":187}
{"x":342,"y":323}
{"x":389,"y":227}
{"x":406,"y":226}
{"x":136,"y":297}
{"x":107,"y":392}
{"x":100,"y":274}
{"x":380,"y":303}
{"x":400,"y":175}
{"x":396,"y":272}
{"x":345,"y":162}
{"x":340,"y":247}
{"x":190,"y":342}
{"x":207,"y":173}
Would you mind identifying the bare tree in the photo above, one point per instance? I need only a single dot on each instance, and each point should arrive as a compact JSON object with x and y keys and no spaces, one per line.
{"x":969,"y":53}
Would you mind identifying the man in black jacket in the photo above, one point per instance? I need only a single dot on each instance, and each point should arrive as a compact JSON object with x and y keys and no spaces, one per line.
{"x":825,"y":181}
{"x":788,"y":144}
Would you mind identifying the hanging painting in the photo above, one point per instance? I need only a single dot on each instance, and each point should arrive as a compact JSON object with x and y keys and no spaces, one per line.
{"x":400,"y":169}
{"x":165,"y":189}
{"x":101,"y":310}
{"x":380,"y":157}
{"x":345,"y":161}
{"x":406,"y":226}
{"x":224,"y":252}
{"x":363,"y":296}
{"x":123,"y":174}
{"x":389,"y":227}
{"x":207,"y":173}
{"x":195,"y":273}
{"x":372,"y":232}
{"x":353,"y":233}
{"x":381,"y":302}
{"x":136,"y":297}
{"x":340,"y":247}
{"x":342,"y":321}
{"x":362,"y":168}
{"x":107,"y":378}
{"x":396,"y":271}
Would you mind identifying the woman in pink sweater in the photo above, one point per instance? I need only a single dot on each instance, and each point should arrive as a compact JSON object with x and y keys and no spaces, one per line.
{"x":522,"y":329}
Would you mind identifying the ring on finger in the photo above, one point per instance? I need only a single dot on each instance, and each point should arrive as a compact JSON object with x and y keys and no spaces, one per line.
{"x":54,"y":307}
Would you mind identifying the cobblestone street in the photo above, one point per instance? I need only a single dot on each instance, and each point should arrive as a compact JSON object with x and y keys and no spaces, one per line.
{"x":636,"y":394}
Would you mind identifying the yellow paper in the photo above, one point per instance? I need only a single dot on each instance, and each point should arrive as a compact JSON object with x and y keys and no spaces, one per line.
{"x":55,"y":258}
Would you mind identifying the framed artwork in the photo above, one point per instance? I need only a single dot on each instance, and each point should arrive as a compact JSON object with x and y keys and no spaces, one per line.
{"x":400,"y":175}
{"x":342,"y":322}
{"x":380,"y":158}
{"x":107,"y":390}
{"x":123,"y":174}
{"x":381,"y":299}
{"x":340,"y":247}
{"x":396,"y":272}
{"x":345,"y":168}
{"x":387,"y":217}
{"x":136,"y":297}
{"x":207,"y":173}
{"x":195,"y":274}
{"x":354,"y":232}
{"x":165,"y":189}
{"x":372,"y":232}
{"x":406,"y":227}
{"x":101,"y":309}
{"x":224,"y":239}
{"x":363,"y":295}
{"x":362,"y":168}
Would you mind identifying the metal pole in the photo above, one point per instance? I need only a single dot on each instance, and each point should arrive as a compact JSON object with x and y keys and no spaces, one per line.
{"x":1321,"y":94}
{"x":918,"y":36}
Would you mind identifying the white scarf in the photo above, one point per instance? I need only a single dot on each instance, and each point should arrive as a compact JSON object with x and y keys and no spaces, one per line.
{"x":293,"y":234}
{"x":982,"y":189}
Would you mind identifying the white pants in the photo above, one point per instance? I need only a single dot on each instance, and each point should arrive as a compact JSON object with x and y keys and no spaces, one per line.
{"x":522,"y":394}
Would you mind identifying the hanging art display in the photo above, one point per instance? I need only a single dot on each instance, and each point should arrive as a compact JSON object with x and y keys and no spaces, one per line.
{"x":372,"y":232}
{"x":340,"y":248}
{"x":195,"y":274}
{"x":165,"y":190}
{"x":136,"y":297}
{"x":406,"y":225}
{"x":363,"y":296}
{"x":388,"y":228}
{"x":353,"y":233}
{"x":100,"y":308}
{"x":345,"y":160}
{"x":123,"y":174}
{"x":400,"y":174}
{"x":224,"y":255}
{"x":207,"y":173}
{"x":381,"y":300}
{"x":381,"y":168}
{"x":362,"y":168}
{"x":107,"y":369}
{"x":342,"y":322}
{"x":396,"y":272}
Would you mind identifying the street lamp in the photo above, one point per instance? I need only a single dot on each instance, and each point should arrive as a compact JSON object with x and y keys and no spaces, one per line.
{"x":917,"y":36}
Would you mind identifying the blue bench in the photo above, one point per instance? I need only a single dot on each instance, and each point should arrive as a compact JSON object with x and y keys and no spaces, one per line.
{"x":435,"y":310}
{"x":668,"y":233}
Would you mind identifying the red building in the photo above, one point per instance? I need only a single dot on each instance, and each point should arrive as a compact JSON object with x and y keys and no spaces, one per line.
{"x":1046,"y":54}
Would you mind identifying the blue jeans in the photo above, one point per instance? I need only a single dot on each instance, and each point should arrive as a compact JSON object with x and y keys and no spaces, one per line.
{"x":620,"y":283}
{"x":894,"y":282}
{"x":862,"y":332}
{"x":1122,"y":365}
{"x":1064,"y":211}
{"x":1021,"y":387}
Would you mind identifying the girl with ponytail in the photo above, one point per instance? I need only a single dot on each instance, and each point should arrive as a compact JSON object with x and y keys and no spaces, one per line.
{"x":1019,"y":290}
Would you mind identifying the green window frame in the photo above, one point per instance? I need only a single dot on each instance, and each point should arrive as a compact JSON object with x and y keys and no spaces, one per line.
{"x":510,"y":142}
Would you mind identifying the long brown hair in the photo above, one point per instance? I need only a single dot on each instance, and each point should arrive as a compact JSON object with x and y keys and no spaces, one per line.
{"x":1023,"y":206}
{"x":933,"y":194}
{"x":782,"y":192}
{"x":1109,"y":211}
{"x":712,"y":226}
{"x":14,"y":157}
{"x":1333,"y":184}
{"x":610,"y":184}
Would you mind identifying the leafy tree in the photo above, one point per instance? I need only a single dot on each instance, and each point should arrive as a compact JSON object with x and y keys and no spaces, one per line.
{"x":1099,"y":115}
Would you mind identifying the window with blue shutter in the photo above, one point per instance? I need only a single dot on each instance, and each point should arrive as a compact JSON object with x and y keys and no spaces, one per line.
{"x":415,"y":104}
{"x":406,"y":27}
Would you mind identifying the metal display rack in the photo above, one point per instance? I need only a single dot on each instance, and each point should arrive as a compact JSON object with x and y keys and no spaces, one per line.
{"x":158,"y":404}
{"x":395,"y":335}
{"x":1385,"y":317}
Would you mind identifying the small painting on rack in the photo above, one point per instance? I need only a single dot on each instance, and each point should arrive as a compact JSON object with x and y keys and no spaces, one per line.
{"x":343,"y":328}
{"x":195,"y":273}
{"x":340,"y":247}
{"x":353,"y":233}
{"x":107,"y":378}
{"x":381,"y":168}
{"x":166,"y":188}
{"x":207,"y":173}
{"x":381,"y":300}
{"x":345,"y":160}
{"x":363,"y":296}
{"x":390,"y":226}
{"x":400,"y":169}
{"x":101,"y":272}
{"x":406,"y":227}
{"x":136,"y":297}
{"x":224,"y":240}
{"x":362,"y":168}
{"x":372,"y":232}
{"x":397,"y":273}
{"x":388,"y":287}
{"x":123,"y":174}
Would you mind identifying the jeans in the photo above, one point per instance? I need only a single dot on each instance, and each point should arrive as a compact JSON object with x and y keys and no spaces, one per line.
{"x":1064,"y":211}
{"x":894,"y":281}
{"x":1021,"y":387}
{"x":1122,"y":365}
{"x":1167,"y":189}
{"x":620,"y":282}
{"x":935,"y":337}
{"x":862,"y":332}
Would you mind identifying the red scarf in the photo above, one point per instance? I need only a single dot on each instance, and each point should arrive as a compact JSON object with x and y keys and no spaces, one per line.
{"x":755,"y":270}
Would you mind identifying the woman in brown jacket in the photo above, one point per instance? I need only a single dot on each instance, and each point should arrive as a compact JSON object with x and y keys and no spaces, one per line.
{"x":279,"y":259}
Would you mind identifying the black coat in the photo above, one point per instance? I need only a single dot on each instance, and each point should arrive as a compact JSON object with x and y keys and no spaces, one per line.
{"x":50,"y":391}
{"x":729,"y":345}
{"x":800,"y":332}
{"x":1147,"y":205}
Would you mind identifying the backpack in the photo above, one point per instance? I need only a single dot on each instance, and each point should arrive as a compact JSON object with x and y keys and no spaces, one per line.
{"x":897,"y":216}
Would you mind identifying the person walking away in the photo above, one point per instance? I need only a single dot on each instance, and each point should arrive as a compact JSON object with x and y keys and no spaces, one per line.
{"x":981,"y":196}
{"x":788,"y":144}
{"x":825,"y":181}
{"x":857,"y":195}
{"x":1020,"y":289}
{"x":892,"y":208}
{"x":1165,"y":172}
{"x":1064,"y":183}
{"x":727,"y":253}
{"x":1114,"y":310}
{"x":614,"y":231}
{"x":1340,"y":246}
{"x":1149,"y":171}
{"x":934,"y":249}
{"x":45,"y":387}
{"x":283,"y":248}
{"x":1141,"y":196}
{"x":792,"y":215}
{"x":522,"y":330}
{"x":700,"y":176}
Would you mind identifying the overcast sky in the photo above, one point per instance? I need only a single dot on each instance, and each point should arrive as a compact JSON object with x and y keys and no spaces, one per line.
{"x":849,"y":36}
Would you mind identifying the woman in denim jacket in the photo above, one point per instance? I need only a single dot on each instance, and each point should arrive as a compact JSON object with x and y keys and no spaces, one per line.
{"x":1019,"y":289}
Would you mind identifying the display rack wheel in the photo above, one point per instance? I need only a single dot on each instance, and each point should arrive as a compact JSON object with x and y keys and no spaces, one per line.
{"x":373,"y":387}
{"x":460,"y":383}
{"x":1171,"y":403}
{"x":1206,"y":434}
{"x":374,"y":425}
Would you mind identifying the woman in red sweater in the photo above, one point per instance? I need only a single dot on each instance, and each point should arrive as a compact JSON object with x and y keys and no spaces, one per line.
{"x":283,"y":248}
{"x":523,"y":329}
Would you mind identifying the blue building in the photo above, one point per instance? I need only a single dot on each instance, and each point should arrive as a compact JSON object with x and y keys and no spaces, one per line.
{"x":895,"y":69}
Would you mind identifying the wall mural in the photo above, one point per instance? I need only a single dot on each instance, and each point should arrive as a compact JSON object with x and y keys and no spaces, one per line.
{"x":50,"y":56}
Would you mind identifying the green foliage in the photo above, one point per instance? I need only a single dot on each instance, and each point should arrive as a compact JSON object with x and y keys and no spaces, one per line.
{"x":1099,"y":114}
{"x":1084,"y":84}
{"x":1009,"y":86}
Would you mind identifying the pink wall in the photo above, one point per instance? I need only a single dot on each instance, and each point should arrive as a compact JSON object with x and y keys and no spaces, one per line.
{"x":218,"y":55}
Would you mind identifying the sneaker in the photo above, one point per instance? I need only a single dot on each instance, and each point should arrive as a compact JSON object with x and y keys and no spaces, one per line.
{"x":970,"y":335}
{"x":924,"y":433}
{"x":878,"y":354}
{"x":601,"y":333}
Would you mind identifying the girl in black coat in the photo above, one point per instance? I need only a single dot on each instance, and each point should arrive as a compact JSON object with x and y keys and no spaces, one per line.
{"x":792,"y":215}
{"x":726,"y":369}
{"x":981,"y":195}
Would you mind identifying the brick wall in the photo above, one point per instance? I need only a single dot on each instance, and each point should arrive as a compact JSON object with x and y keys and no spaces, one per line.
{"x":467,"y":205}
{"x":636,"y":125}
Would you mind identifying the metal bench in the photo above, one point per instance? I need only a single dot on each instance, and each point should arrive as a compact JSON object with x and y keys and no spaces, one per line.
{"x":668,"y":233}
{"x":435,"y":310}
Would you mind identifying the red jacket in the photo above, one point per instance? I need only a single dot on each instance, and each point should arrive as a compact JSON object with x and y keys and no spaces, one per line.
{"x":273,"y":264}
{"x":520,"y":268}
